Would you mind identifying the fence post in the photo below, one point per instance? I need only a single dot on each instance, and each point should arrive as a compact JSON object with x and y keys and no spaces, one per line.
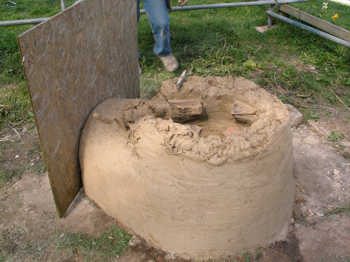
{"x":269,"y":18}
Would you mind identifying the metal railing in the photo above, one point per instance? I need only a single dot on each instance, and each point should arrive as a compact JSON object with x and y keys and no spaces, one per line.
{"x":174,"y":9}
{"x":234,"y":4}
{"x":30,"y":20}
{"x":269,"y":12}
{"x":308,"y":28}
{"x":23,"y":21}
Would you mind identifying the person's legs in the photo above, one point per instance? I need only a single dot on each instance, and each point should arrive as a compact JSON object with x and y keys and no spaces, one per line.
{"x":138,"y":10}
{"x":157,"y":13}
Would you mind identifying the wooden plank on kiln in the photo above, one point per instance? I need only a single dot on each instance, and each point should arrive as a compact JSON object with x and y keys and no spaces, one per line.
{"x":72,"y":62}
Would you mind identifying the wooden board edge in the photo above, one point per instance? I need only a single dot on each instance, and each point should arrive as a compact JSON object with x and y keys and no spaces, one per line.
{"x":61,"y":209}
{"x":317,"y":22}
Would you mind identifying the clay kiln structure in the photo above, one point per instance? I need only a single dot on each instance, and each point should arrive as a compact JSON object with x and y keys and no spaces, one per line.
{"x":205,"y":171}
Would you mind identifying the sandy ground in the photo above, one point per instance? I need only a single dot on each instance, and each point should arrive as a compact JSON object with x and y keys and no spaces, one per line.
{"x":30,"y":229}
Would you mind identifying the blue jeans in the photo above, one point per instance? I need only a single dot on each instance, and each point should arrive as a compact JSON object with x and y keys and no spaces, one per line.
{"x":158,"y":15}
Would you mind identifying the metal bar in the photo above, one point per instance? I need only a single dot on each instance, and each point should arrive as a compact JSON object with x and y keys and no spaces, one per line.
{"x":63,"y":5}
{"x":184,"y":8}
{"x":29,"y":21}
{"x":23,"y":21}
{"x":308,"y":28}
{"x":269,"y":19}
{"x":237,"y":4}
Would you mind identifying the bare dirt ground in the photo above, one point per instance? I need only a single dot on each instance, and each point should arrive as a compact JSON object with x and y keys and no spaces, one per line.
{"x":31,"y":231}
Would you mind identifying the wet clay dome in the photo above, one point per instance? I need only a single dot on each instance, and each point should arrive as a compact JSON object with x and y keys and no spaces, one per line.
{"x":202,"y":172}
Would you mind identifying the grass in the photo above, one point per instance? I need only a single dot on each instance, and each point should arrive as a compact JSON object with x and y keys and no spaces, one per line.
{"x":314,"y":7}
{"x":37,"y":165}
{"x":11,"y":70}
{"x":247,"y":257}
{"x":3,"y":258}
{"x":310,"y":115}
{"x":339,"y":210}
{"x":216,"y":42}
{"x":7,"y":174}
{"x":14,"y":102}
{"x":224,"y":42}
{"x":19,"y":154}
{"x":335,"y":136}
{"x":346,"y":155}
{"x":108,"y":245}
{"x":15,"y":106}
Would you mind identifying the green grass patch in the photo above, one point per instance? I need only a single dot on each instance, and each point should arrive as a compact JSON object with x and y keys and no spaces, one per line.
{"x":3,"y":257}
{"x":149,"y":83}
{"x":15,"y":105}
{"x":109,"y":245}
{"x":218,"y":42}
{"x":332,"y":12}
{"x":224,"y":42}
{"x":346,"y":155}
{"x":9,"y":171}
{"x":11,"y":70}
{"x":338,"y":210}
{"x":308,"y":114}
{"x":38,"y":167}
{"x":247,"y":257}
{"x":6,"y":176}
{"x":335,"y":136}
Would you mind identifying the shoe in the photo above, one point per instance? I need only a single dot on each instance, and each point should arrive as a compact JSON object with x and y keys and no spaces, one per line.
{"x":140,"y":70}
{"x":170,"y":63}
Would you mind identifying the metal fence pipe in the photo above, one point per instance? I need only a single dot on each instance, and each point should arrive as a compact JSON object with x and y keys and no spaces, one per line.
{"x":236,"y":4}
{"x":23,"y":21}
{"x":174,"y":9}
{"x":309,"y":28}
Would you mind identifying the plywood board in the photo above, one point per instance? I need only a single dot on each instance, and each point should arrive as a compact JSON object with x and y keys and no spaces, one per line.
{"x":73,"y":62}
{"x":317,"y":22}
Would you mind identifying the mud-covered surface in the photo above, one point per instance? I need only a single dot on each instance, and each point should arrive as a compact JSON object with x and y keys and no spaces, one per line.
{"x":31,"y":231}
{"x":29,"y":226}
{"x":237,"y":119}
{"x":242,"y":119}
{"x":223,"y":174}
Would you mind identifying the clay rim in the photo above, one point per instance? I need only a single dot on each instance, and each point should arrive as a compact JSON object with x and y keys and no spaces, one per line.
{"x":185,"y":139}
